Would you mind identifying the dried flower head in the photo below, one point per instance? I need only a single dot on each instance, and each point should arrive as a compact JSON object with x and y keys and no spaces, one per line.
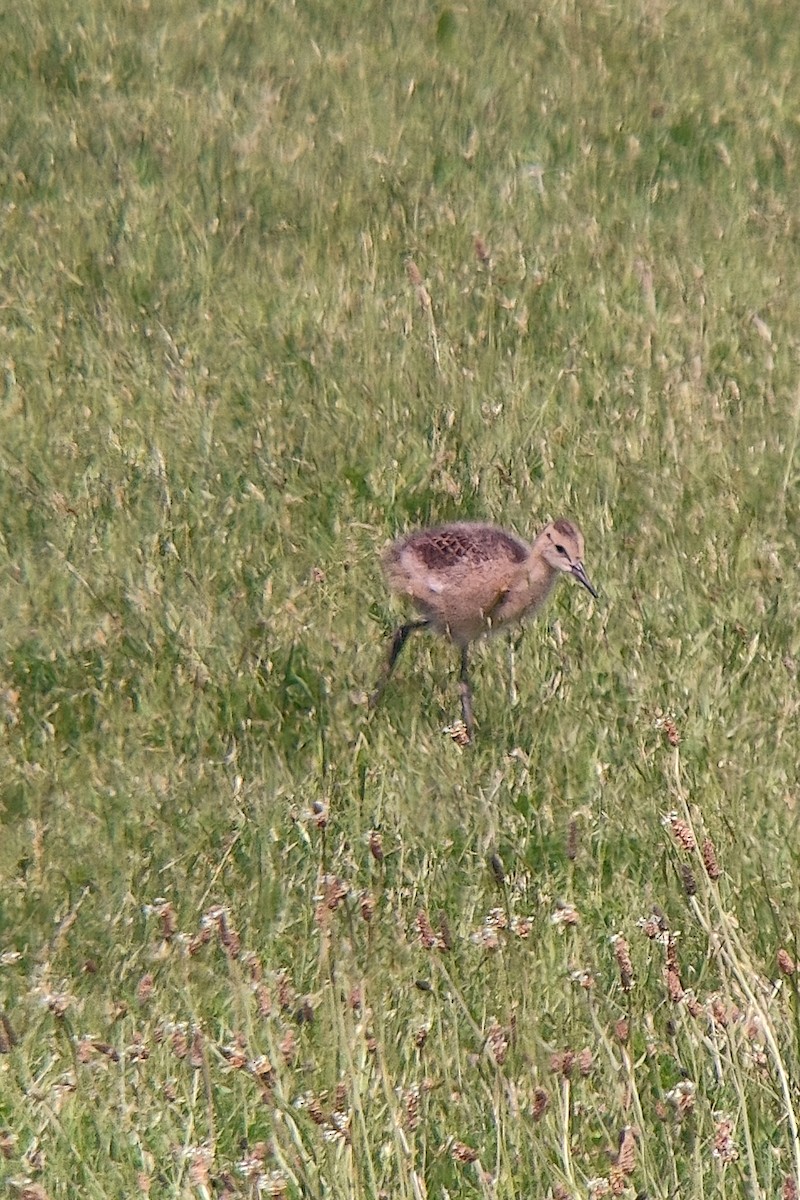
{"x":562,"y":1063}
{"x":649,"y":927}
{"x":366,"y":905}
{"x":497,"y":869}
{"x":144,"y":989}
{"x":688,"y":879}
{"x":540,"y":1103}
{"x":413,"y":272}
{"x":458,"y":730}
{"x":497,"y":1040}
{"x":197,"y":1049}
{"x":674,"y":986}
{"x":564,"y":915}
{"x":275,"y":1184}
{"x":198,"y":940}
{"x":626,"y":1158}
{"x":288,"y":1046}
{"x":229,"y":938}
{"x":681,"y":831}
{"x":376,"y":845}
{"x":617,"y":1181}
{"x":58,"y":1003}
{"x":262,"y":1069}
{"x":319,"y":814}
{"x":786,"y":964}
{"x":572,"y":839}
{"x":313,"y":1104}
{"x":200,"y":1159}
{"x":211,"y":917}
{"x":8,"y":1035}
{"x":671,"y":732}
{"x":710,"y":859}
{"x":235,"y":1053}
{"x":623,"y":956}
{"x":682,"y":1098}
{"x":252,"y":965}
{"x":355,"y":1000}
{"x":287,"y":993}
{"x":723,"y":1011}
{"x":412,"y":1108}
{"x":724,"y":1146}
{"x":693,"y":1005}
{"x":481,"y":251}
{"x":332,"y":893}
{"x":429,"y":940}
{"x":252,"y":1165}
{"x":463,"y":1153}
{"x":28,"y":1190}
{"x":168,"y":919}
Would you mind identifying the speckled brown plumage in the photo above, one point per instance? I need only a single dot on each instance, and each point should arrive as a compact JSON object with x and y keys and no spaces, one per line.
{"x":447,"y":546}
{"x":468,"y":580}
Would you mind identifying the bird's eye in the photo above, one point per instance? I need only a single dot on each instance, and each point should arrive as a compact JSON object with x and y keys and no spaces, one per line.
{"x":561,"y":550}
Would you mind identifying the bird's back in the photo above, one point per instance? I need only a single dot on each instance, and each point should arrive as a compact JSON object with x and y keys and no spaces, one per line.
{"x":457,"y":574}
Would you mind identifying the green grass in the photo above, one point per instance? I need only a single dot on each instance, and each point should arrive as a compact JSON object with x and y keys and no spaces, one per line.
{"x":221,"y":391}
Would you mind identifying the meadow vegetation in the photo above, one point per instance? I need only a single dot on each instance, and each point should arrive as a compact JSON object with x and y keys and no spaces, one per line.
{"x":279,"y":281}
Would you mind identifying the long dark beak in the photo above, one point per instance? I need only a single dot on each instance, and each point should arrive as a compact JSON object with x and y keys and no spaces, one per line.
{"x":580,"y":574}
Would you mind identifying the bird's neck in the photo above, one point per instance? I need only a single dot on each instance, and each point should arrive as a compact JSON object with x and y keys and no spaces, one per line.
{"x":541,"y":578}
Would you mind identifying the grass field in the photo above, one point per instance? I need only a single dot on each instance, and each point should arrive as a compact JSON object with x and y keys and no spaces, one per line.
{"x":279,"y":281}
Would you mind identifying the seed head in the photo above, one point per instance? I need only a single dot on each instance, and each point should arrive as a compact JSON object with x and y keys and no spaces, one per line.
{"x":429,"y":940}
{"x":497,"y":868}
{"x":674,"y":985}
{"x":682,"y":1098}
{"x":572,"y":839}
{"x":540,"y":1102}
{"x":481,"y":251}
{"x":562,"y":1063}
{"x":497,"y":1041}
{"x":288,"y":1046}
{"x":585,"y":1062}
{"x":412,"y":1108}
{"x":710,"y":860}
{"x":724,"y":1146}
{"x":626,"y":1159}
{"x":623,"y":956}
{"x":681,"y":831}
{"x":786,"y":964}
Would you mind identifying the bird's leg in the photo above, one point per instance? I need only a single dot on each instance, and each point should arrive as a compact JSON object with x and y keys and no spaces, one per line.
{"x":512,"y":674}
{"x":514,"y":640}
{"x":466,"y":695}
{"x":398,"y":641}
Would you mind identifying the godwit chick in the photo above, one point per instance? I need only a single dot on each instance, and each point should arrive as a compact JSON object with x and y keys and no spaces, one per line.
{"x":469,"y":580}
